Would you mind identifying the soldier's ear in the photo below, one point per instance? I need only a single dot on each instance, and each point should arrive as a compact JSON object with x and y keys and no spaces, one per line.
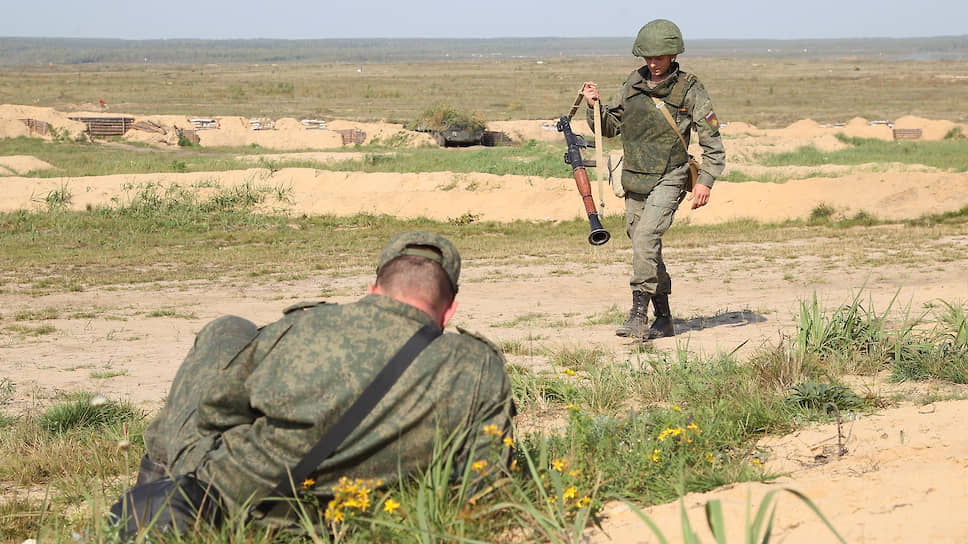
{"x":448,"y":313}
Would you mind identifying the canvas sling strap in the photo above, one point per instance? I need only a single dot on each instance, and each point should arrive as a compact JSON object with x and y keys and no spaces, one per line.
{"x":351,"y":419}
{"x":599,"y":148}
{"x":660,"y":105}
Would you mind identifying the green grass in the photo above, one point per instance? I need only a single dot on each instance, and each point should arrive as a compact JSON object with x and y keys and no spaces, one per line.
{"x":79,"y":159}
{"x":950,"y":154}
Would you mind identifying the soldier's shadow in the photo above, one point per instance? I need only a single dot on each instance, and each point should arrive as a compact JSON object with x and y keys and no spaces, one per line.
{"x":740,"y":318}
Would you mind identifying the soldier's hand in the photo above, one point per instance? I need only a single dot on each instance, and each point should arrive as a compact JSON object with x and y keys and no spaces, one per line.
{"x":590,"y":92}
{"x":699,"y":196}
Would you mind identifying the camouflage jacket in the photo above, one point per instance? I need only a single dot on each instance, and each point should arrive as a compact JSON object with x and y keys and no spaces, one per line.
{"x":650,"y":146}
{"x":242,"y":424}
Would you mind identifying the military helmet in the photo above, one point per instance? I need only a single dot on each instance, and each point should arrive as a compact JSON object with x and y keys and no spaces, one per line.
{"x":657,"y":38}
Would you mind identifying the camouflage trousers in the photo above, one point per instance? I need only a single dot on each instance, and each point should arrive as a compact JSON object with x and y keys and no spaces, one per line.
{"x":647,"y":218}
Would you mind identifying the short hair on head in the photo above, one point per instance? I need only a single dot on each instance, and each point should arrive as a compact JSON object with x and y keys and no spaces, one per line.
{"x":417,"y":277}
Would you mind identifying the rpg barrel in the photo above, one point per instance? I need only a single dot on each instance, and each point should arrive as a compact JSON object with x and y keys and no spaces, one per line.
{"x":575,"y":143}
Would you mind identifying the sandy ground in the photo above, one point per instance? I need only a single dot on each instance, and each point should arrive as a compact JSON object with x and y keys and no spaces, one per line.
{"x":902,"y":478}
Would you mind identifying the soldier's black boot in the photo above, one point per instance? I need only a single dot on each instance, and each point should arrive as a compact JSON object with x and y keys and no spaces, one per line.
{"x":638,"y":319}
{"x":662,"y":326}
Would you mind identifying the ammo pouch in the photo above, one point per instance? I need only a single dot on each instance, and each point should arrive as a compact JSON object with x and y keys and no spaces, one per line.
{"x":176,"y":504}
{"x":693,"y":174}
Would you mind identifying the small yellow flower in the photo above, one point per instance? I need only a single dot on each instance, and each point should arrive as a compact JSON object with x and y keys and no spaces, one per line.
{"x":390,"y":506}
{"x":676,"y":409}
{"x":514,"y":465}
{"x":559,"y":465}
{"x":692,"y":427}
{"x":308,"y":483}
{"x":479,"y":466}
{"x":569,"y":371}
{"x":569,"y":493}
{"x":575,"y":473}
{"x":756,"y":462}
{"x":584,"y":502}
{"x":508,"y":441}
{"x":333,"y":512}
{"x":709,"y":457}
{"x":573,"y":407}
{"x":492,"y":430}
{"x":655,"y":455}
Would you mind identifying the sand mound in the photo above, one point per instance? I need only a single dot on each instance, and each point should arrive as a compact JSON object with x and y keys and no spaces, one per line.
{"x":930,"y":130}
{"x":12,"y":122}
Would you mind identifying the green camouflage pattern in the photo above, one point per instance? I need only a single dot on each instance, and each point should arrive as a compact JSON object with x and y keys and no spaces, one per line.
{"x":240,"y":421}
{"x":647,"y":218}
{"x":651,"y":150}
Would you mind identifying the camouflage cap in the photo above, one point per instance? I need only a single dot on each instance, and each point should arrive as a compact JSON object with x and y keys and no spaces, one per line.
{"x":423,"y":244}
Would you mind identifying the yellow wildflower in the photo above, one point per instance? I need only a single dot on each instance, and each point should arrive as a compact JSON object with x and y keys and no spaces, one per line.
{"x":390,"y":506}
{"x":307,"y":483}
{"x":333,"y":512}
{"x":709,"y":457}
{"x":676,"y":409}
{"x":569,"y":371}
{"x":508,"y":441}
{"x":693,"y":427}
{"x":569,"y":493}
{"x":573,"y":407}
{"x":655,"y":455}
{"x":514,"y":465}
{"x":492,"y":430}
{"x":584,"y":502}
{"x":575,"y":473}
{"x":479,"y":466}
{"x":559,"y":465}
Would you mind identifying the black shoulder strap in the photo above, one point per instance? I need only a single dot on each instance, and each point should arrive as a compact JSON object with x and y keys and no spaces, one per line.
{"x":335,"y":435}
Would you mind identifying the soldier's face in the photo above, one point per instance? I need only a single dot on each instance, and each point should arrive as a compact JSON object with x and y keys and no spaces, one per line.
{"x":659,"y":66}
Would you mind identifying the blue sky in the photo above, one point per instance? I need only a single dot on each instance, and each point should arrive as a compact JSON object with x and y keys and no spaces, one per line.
{"x":310,"y":19}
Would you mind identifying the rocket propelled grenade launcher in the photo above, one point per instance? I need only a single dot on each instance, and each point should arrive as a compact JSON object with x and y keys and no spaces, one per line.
{"x":575,"y":143}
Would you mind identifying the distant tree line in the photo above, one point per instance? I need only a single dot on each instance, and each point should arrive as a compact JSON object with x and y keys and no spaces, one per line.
{"x":72,"y":51}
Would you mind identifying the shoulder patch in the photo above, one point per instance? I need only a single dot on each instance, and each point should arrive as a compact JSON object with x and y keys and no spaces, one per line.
{"x":712,"y":121}
{"x":304,"y":305}
{"x":480,"y":338}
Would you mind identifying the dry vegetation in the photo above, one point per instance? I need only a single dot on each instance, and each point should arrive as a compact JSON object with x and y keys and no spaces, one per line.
{"x":766,"y":92}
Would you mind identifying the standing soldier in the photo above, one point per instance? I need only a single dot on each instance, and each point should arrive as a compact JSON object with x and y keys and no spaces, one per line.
{"x":656,"y":159}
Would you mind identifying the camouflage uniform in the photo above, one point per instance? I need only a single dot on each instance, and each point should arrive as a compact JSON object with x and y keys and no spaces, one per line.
{"x":655,"y":164}
{"x":247,"y":404}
